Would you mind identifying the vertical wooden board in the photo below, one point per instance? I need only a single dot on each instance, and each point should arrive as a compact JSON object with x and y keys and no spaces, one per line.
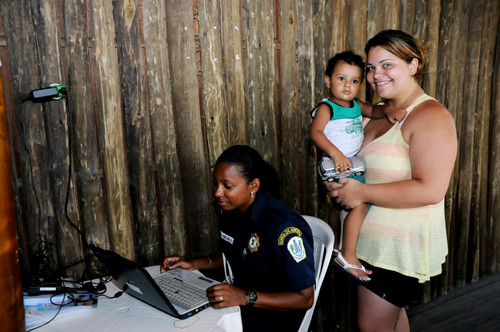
{"x":46,"y":26}
{"x":464,"y":159}
{"x":390,"y":14}
{"x":327,"y":42}
{"x":15,"y":151}
{"x":11,"y":115}
{"x":466,"y":215}
{"x":478,"y":143}
{"x":163,"y":127}
{"x":356,"y":35}
{"x":443,"y":70}
{"x":426,"y":29}
{"x":81,"y":108}
{"x":292,"y":114}
{"x":479,"y":137}
{"x":214,"y":85}
{"x":485,"y":107}
{"x":111,"y":127}
{"x":432,"y":36}
{"x":306,"y":74}
{"x":35,"y":168}
{"x":338,"y":27}
{"x":196,"y":177}
{"x":137,"y":129}
{"x":443,"y":54}
{"x":408,"y":14}
{"x":323,"y":51}
{"x":262,"y":76}
{"x":382,"y":15}
{"x":454,"y":100}
{"x":234,"y":70}
{"x":494,"y":163}
{"x":11,"y":287}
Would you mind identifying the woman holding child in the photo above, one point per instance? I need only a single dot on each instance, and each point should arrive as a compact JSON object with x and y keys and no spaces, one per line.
{"x":402,"y":240}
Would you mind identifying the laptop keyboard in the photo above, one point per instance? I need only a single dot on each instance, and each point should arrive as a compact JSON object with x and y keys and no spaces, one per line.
{"x":177,"y":291}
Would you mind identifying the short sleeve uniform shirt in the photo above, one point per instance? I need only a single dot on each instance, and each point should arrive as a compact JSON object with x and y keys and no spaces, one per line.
{"x":270,"y":249}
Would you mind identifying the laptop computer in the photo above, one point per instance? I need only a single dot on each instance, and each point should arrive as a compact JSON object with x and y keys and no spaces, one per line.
{"x":136,"y":281}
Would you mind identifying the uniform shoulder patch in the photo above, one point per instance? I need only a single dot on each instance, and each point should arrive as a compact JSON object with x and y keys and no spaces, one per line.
{"x":286,"y":232}
{"x":296,"y":248}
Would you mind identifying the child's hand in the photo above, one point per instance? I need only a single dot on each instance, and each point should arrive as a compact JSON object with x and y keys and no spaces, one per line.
{"x":341,"y":161}
{"x":394,"y":114}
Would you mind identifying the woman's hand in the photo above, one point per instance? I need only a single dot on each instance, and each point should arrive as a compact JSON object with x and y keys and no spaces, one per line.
{"x":174,"y":262}
{"x":348,"y":193}
{"x":226,"y":295}
{"x":330,"y":188}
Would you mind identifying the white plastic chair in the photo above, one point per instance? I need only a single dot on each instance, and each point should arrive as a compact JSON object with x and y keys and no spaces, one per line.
{"x":323,"y":248}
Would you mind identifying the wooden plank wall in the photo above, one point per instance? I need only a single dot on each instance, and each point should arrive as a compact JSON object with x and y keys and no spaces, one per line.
{"x":158,"y":89}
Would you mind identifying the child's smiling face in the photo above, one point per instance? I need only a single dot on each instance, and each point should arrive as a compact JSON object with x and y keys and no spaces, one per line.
{"x":344,"y":83}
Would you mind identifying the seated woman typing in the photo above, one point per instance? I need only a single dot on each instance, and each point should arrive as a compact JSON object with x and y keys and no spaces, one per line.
{"x":268,"y":245}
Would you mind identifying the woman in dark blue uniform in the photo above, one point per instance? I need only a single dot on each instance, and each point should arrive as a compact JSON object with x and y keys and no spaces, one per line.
{"x":268,"y":245}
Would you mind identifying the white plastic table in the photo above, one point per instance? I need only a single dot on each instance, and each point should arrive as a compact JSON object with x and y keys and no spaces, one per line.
{"x":126,"y":313}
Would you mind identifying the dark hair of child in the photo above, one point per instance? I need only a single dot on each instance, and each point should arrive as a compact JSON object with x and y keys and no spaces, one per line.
{"x":348,"y":57}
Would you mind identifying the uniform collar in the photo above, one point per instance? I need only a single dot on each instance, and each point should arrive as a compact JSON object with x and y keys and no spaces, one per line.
{"x":254,"y":211}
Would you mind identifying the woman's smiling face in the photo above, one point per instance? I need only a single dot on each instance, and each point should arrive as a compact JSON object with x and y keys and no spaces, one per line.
{"x":231,"y":189}
{"x":388,"y":74}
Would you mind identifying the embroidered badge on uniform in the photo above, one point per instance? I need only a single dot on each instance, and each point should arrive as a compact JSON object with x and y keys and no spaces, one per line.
{"x":253,"y":243}
{"x":286,"y":232}
{"x":226,"y":237}
{"x":296,"y":248}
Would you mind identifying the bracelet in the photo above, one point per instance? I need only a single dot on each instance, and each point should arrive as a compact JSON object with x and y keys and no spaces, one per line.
{"x":209,"y":261}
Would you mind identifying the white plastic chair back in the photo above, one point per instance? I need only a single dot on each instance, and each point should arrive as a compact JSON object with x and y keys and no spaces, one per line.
{"x":323,"y":249}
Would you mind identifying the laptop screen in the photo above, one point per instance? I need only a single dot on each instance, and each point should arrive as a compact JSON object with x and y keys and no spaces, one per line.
{"x":136,"y":281}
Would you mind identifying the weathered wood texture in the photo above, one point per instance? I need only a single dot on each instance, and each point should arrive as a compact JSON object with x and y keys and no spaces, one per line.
{"x":158,"y":89}
{"x":11,"y":307}
{"x":110,"y":127}
{"x":172,"y":231}
{"x":85,"y":147}
{"x":189,"y":127}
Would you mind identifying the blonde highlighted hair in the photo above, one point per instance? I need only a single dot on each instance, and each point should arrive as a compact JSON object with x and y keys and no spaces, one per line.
{"x":402,"y":45}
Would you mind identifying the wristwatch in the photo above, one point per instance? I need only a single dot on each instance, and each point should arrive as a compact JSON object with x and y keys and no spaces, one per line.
{"x":251,"y":298}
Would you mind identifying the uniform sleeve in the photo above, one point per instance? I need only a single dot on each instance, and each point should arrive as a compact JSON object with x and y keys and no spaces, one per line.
{"x":295,"y":252}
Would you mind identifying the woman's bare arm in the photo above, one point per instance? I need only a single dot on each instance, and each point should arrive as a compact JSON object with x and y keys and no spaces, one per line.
{"x":433,"y":146}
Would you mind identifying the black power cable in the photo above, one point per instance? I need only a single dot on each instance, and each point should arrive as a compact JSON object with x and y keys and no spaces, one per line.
{"x":51,"y":93}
